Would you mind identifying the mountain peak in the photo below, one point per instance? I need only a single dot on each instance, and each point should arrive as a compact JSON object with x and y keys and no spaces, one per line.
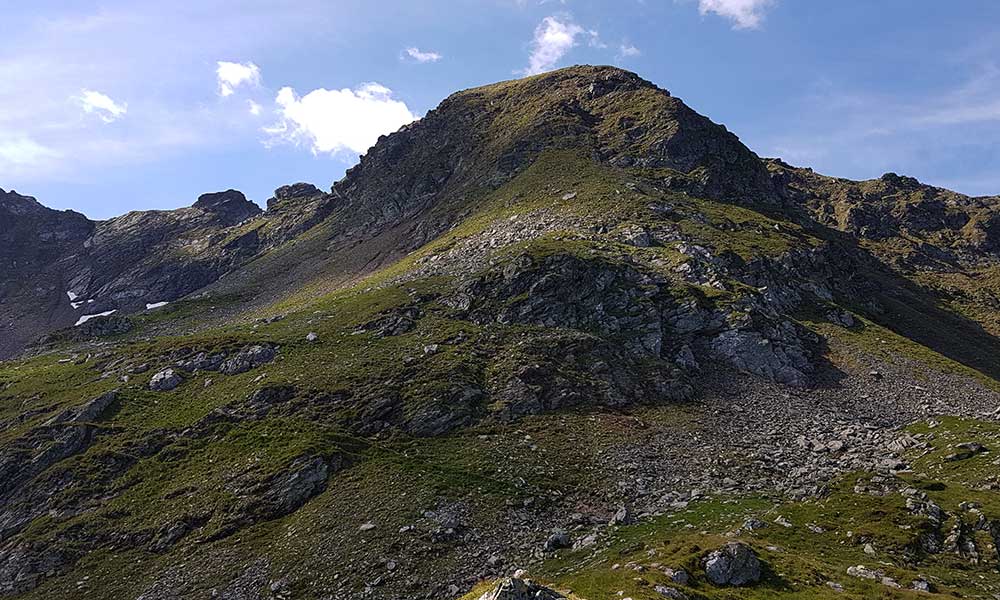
{"x":293,"y":191}
{"x":600,"y":79}
{"x":231,"y":205}
{"x":490,"y":133}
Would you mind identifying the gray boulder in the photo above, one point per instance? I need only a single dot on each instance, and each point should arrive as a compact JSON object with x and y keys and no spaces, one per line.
{"x":247,"y":359}
{"x":165,"y":380}
{"x":557,"y":540}
{"x":669,"y":592}
{"x":734,"y":564}
{"x":623,"y":516}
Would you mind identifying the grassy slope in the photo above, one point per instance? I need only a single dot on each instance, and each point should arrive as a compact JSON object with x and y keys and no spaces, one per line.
{"x":799,"y":562}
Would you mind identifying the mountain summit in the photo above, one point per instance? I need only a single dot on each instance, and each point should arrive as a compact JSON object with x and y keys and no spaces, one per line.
{"x":563,"y":324}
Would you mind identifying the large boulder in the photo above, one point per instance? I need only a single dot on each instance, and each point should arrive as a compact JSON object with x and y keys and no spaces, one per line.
{"x":734,"y":564}
{"x":247,"y":359}
{"x":165,"y":380}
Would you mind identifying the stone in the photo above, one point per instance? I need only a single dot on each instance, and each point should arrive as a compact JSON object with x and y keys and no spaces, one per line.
{"x":623,"y":516}
{"x":735,"y":564}
{"x":669,"y":592}
{"x":679,"y":576}
{"x":247,"y":359}
{"x":312,"y":336}
{"x":842,"y":318}
{"x":165,"y":380}
{"x":557,"y":541}
{"x":863,"y":572}
{"x":367,"y":526}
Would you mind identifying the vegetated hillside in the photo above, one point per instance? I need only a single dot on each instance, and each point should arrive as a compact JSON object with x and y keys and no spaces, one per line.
{"x":562,"y":324}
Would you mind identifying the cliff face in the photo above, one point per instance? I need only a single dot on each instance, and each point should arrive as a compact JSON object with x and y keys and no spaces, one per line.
{"x":33,"y":241}
{"x":549,"y":309}
{"x":64,"y":266}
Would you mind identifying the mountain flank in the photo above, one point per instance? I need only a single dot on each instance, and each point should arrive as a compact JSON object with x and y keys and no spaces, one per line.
{"x":562,"y":337}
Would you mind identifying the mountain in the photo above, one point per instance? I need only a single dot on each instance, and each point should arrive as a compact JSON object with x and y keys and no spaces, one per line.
{"x":563,"y":324}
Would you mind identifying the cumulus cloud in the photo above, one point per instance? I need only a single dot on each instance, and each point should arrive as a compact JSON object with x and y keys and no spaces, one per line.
{"x":745,"y":14}
{"x":232,"y":75}
{"x":101,"y":105}
{"x":334,"y":121}
{"x":254,"y":107}
{"x":553,"y":39}
{"x":422,"y":56}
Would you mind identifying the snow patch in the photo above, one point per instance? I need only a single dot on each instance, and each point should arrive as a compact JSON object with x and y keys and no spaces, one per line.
{"x":156,"y":305}
{"x":72,"y":296}
{"x":76,"y":305}
{"x":86,"y":318}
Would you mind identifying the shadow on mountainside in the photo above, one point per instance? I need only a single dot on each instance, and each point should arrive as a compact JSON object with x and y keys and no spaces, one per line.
{"x":918,"y":313}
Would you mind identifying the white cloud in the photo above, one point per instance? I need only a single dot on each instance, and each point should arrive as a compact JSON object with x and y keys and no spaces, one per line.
{"x":60,"y":49}
{"x":254,"y":107}
{"x":595,"y":39}
{"x":232,"y":75}
{"x":553,"y":39}
{"x":333,"y":121}
{"x":626,"y":50}
{"x":22,"y":152}
{"x":103,"y":106}
{"x":421,"y":56}
{"x":745,"y":14}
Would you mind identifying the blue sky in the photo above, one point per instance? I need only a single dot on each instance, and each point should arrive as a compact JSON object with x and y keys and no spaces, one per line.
{"x":125,"y":105}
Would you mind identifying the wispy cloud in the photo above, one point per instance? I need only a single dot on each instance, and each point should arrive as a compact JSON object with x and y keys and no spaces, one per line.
{"x":944,"y":135}
{"x":19,"y":153}
{"x":422,"y":56}
{"x":231,"y":75}
{"x":338,"y":121}
{"x":553,"y":39}
{"x":744,"y":14}
{"x":627,"y":50}
{"x":101,"y":105}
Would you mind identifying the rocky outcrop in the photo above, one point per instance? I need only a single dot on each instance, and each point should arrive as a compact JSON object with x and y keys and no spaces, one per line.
{"x":288,"y":193}
{"x":165,"y":380}
{"x":779,"y":356}
{"x":56,"y":439}
{"x":248,"y":359}
{"x":229,"y":207}
{"x":514,"y":588}
{"x":734,"y":564}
